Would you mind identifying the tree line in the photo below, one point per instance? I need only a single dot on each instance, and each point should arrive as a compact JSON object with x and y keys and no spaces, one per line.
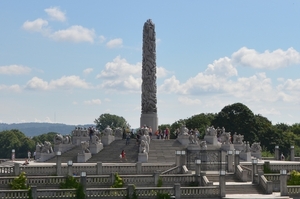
{"x":234,"y":118}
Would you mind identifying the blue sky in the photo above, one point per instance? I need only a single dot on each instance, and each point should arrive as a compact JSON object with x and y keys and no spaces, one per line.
{"x":70,"y":61}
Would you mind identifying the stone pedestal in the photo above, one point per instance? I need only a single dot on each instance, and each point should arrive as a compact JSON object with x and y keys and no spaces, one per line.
{"x":184,"y":140}
{"x":210,"y":139}
{"x":143,"y":157}
{"x":292,"y":158}
{"x":239,"y":147}
{"x":107,"y":139}
{"x":83,"y":157}
{"x":63,"y":147}
{"x":77,"y":140}
{"x":256,"y":154}
{"x":246,"y":156}
{"x":96,"y":148}
{"x":227,"y":147}
{"x":45,"y":156}
{"x":149,"y":119}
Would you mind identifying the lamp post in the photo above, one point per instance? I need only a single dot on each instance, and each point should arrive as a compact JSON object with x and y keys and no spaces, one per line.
{"x":58,"y":163}
{"x":230,"y":160}
{"x":283,"y":183}
{"x":83,"y":180}
{"x":13,"y":155}
{"x":222,"y":183}
{"x":198,"y":166}
{"x":70,"y":168}
{"x":254,"y":169}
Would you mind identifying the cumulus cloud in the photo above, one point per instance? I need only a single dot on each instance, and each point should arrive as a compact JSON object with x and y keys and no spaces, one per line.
{"x":87,"y":71}
{"x":101,"y":39}
{"x":221,"y":67}
{"x":189,"y":101}
{"x":14,"y":70}
{"x":271,"y":111}
{"x":266,"y":60}
{"x":47,"y":119}
{"x":13,"y":88}
{"x":93,"y":102}
{"x":37,"y":25}
{"x":65,"y":82}
{"x":115,"y":43}
{"x":56,"y":14}
{"x":120,"y":75}
{"x":74,"y":34}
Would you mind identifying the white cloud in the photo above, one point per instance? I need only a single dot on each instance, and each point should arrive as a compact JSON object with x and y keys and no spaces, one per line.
{"x":14,"y":70}
{"x":37,"y":25}
{"x":47,"y":120}
{"x":115,"y":43}
{"x":65,"y":82}
{"x":87,"y":71}
{"x":161,"y":72}
{"x":74,"y":34}
{"x":93,"y":102}
{"x":69,"y":82}
{"x":271,"y":111}
{"x":13,"y":88}
{"x":37,"y":84}
{"x":56,"y":14}
{"x":266,"y":60}
{"x":107,"y":100}
{"x":222,"y":68}
{"x":120,"y":75}
{"x":171,"y":85}
{"x":102,"y":39}
{"x":189,"y":101}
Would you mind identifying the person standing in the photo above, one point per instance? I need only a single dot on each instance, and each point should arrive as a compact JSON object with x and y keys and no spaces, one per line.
{"x":34,"y":154}
{"x":123,"y":156}
{"x":29,"y":155}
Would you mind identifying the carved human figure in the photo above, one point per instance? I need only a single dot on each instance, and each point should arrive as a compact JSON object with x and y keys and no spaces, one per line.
{"x":149,"y":100}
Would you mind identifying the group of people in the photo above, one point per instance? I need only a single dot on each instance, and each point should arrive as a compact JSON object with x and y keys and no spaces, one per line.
{"x":28,"y":159}
{"x":162,"y":134}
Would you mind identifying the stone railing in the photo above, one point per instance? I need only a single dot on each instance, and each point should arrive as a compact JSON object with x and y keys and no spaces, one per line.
{"x":206,"y":182}
{"x":115,"y":193}
{"x":173,"y":170}
{"x":275,"y":178}
{"x":183,"y":179}
{"x":248,"y":172}
{"x":7,"y":170}
{"x":293,"y":190}
{"x":266,"y":185}
{"x":241,"y":173}
{"x":90,"y":168}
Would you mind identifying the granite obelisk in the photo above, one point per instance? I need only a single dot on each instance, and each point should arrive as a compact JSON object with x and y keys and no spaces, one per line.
{"x":149,"y":100}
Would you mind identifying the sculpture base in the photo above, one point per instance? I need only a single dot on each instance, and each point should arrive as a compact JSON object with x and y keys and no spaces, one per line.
{"x":184,"y":140}
{"x":246,"y":156}
{"x":149,"y":119}
{"x":193,"y":147}
{"x":83,"y":157}
{"x":256,"y":154}
{"x":107,"y":139}
{"x":239,"y":147}
{"x":210,"y":139}
{"x":227,"y":147}
{"x":143,"y":157}
{"x":96,"y":148}
{"x":78,"y":140}
{"x":45,"y":156}
{"x":63,"y":147}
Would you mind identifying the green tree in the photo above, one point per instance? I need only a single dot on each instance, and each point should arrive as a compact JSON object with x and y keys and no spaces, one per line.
{"x":200,"y":122}
{"x":44,"y":137}
{"x":237,"y":118}
{"x":113,"y":121}
{"x":14,"y":139}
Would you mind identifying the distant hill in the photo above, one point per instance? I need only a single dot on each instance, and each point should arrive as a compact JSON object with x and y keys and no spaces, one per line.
{"x":34,"y":128}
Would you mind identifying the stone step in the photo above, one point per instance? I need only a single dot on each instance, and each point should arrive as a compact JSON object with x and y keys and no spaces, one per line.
{"x":112,"y":152}
{"x":228,"y":178}
{"x":163,"y":150}
{"x":274,"y":195}
{"x":69,"y":155}
{"x":243,"y":188}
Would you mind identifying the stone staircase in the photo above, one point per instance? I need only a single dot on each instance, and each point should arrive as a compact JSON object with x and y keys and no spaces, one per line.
{"x":111,"y":153}
{"x":163,"y":151}
{"x":243,"y":188}
{"x":214,"y":177}
{"x":69,"y":155}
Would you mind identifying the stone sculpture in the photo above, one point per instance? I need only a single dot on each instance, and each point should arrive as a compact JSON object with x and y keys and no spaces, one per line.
{"x":119,"y":132}
{"x":211,"y":131}
{"x":108,"y":131}
{"x":60,"y":139}
{"x":142,"y":148}
{"x":38,"y":147}
{"x":47,"y":147}
{"x":225,"y":138}
{"x":203,"y":145}
{"x":149,"y":100}
{"x":85,"y":147}
{"x":255,"y":147}
{"x":95,"y":139}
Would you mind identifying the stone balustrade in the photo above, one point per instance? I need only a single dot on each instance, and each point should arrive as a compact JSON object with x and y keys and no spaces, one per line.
{"x":12,"y":194}
{"x":266,"y":184}
{"x":90,"y":168}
